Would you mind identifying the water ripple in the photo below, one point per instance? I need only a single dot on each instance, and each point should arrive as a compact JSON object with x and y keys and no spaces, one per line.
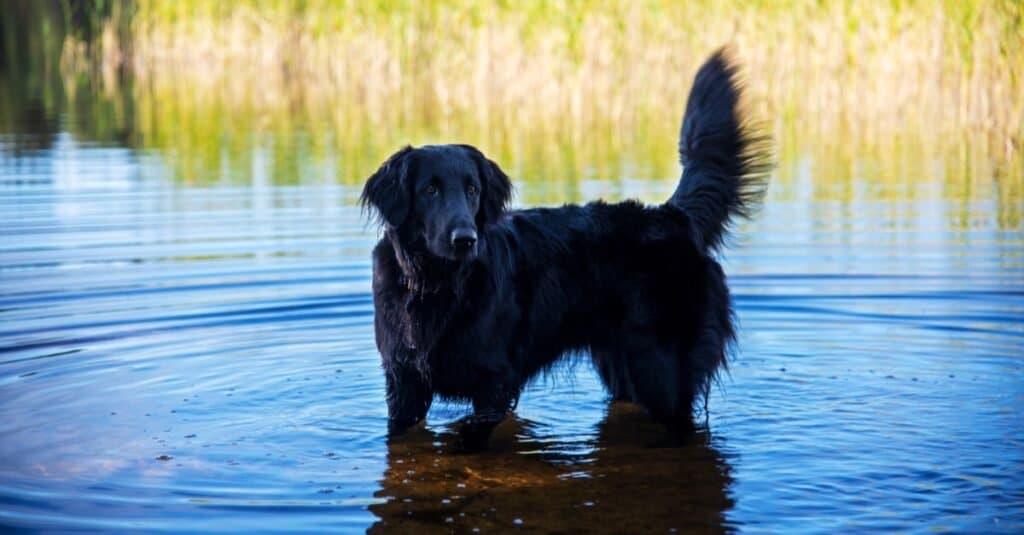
{"x":203,"y":359}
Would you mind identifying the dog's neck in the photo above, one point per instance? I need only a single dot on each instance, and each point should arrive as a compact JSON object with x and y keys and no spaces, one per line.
{"x":422,"y":273}
{"x":434,"y":291}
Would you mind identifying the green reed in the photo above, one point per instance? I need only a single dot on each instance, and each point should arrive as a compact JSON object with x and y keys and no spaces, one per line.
{"x":571,"y":90}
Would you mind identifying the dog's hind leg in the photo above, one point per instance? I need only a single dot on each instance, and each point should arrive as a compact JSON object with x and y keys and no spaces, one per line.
{"x":610,"y":364}
{"x":661,"y":385}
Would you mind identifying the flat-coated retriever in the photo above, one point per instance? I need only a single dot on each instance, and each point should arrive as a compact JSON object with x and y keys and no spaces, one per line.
{"x":473,"y":300}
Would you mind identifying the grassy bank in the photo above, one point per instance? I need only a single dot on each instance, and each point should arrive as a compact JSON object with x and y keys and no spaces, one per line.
{"x":576,"y":88}
{"x":873,"y":66}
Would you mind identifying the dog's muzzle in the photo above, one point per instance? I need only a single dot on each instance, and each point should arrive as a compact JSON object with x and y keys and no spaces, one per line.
{"x":464,"y":241}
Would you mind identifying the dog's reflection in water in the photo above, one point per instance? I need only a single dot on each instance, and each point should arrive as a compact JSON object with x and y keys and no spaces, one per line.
{"x":626,"y":479}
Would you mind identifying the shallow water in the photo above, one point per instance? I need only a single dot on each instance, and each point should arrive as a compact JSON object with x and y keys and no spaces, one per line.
{"x":178,"y":358}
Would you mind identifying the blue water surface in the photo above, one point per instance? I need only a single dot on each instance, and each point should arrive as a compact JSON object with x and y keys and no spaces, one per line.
{"x":175,"y":358}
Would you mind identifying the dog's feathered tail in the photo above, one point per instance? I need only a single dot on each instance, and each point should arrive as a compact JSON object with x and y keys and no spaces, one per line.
{"x":726,"y":162}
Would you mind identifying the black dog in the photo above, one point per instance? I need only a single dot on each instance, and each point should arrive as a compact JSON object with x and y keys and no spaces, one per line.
{"x":472,"y":301}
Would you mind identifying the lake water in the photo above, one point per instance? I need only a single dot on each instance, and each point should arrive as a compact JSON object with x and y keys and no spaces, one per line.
{"x":186,"y":358}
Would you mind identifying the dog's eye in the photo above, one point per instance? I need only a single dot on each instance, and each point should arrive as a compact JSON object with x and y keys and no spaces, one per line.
{"x":472,"y":190}
{"x":431,"y":190}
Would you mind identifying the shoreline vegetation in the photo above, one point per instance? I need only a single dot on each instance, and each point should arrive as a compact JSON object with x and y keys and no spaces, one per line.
{"x":573,"y":89}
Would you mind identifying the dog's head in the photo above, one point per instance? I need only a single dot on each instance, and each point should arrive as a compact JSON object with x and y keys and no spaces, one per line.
{"x":442,"y":194}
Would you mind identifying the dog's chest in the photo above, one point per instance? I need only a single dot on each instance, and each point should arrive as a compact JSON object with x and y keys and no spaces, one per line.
{"x":426,"y":319}
{"x":453,"y":344}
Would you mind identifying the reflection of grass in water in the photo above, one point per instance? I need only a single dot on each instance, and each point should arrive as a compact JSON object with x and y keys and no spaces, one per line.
{"x":214,"y":138}
{"x":577,"y":89}
{"x":591,"y":74}
{"x":210,"y":133}
{"x":35,"y":93}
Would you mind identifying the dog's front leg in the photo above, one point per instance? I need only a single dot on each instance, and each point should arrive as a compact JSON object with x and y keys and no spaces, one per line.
{"x":409,"y":395}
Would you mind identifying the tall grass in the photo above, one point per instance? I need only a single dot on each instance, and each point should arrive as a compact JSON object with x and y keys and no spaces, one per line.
{"x":579,"y":87}
{"x":874,"y":66}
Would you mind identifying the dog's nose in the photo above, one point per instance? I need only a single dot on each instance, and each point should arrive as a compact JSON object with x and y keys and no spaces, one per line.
{"x":463,"y":239}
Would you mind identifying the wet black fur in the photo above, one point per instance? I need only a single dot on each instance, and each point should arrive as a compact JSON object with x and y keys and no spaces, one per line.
{"x":637,"y":286}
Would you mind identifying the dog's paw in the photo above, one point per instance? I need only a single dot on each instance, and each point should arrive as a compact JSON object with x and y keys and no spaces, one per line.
{"x":399,"y":427}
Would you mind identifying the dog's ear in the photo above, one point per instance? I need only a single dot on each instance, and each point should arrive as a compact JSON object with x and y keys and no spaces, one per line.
{"x":387,"y":191}
{"x":496,"y":190}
